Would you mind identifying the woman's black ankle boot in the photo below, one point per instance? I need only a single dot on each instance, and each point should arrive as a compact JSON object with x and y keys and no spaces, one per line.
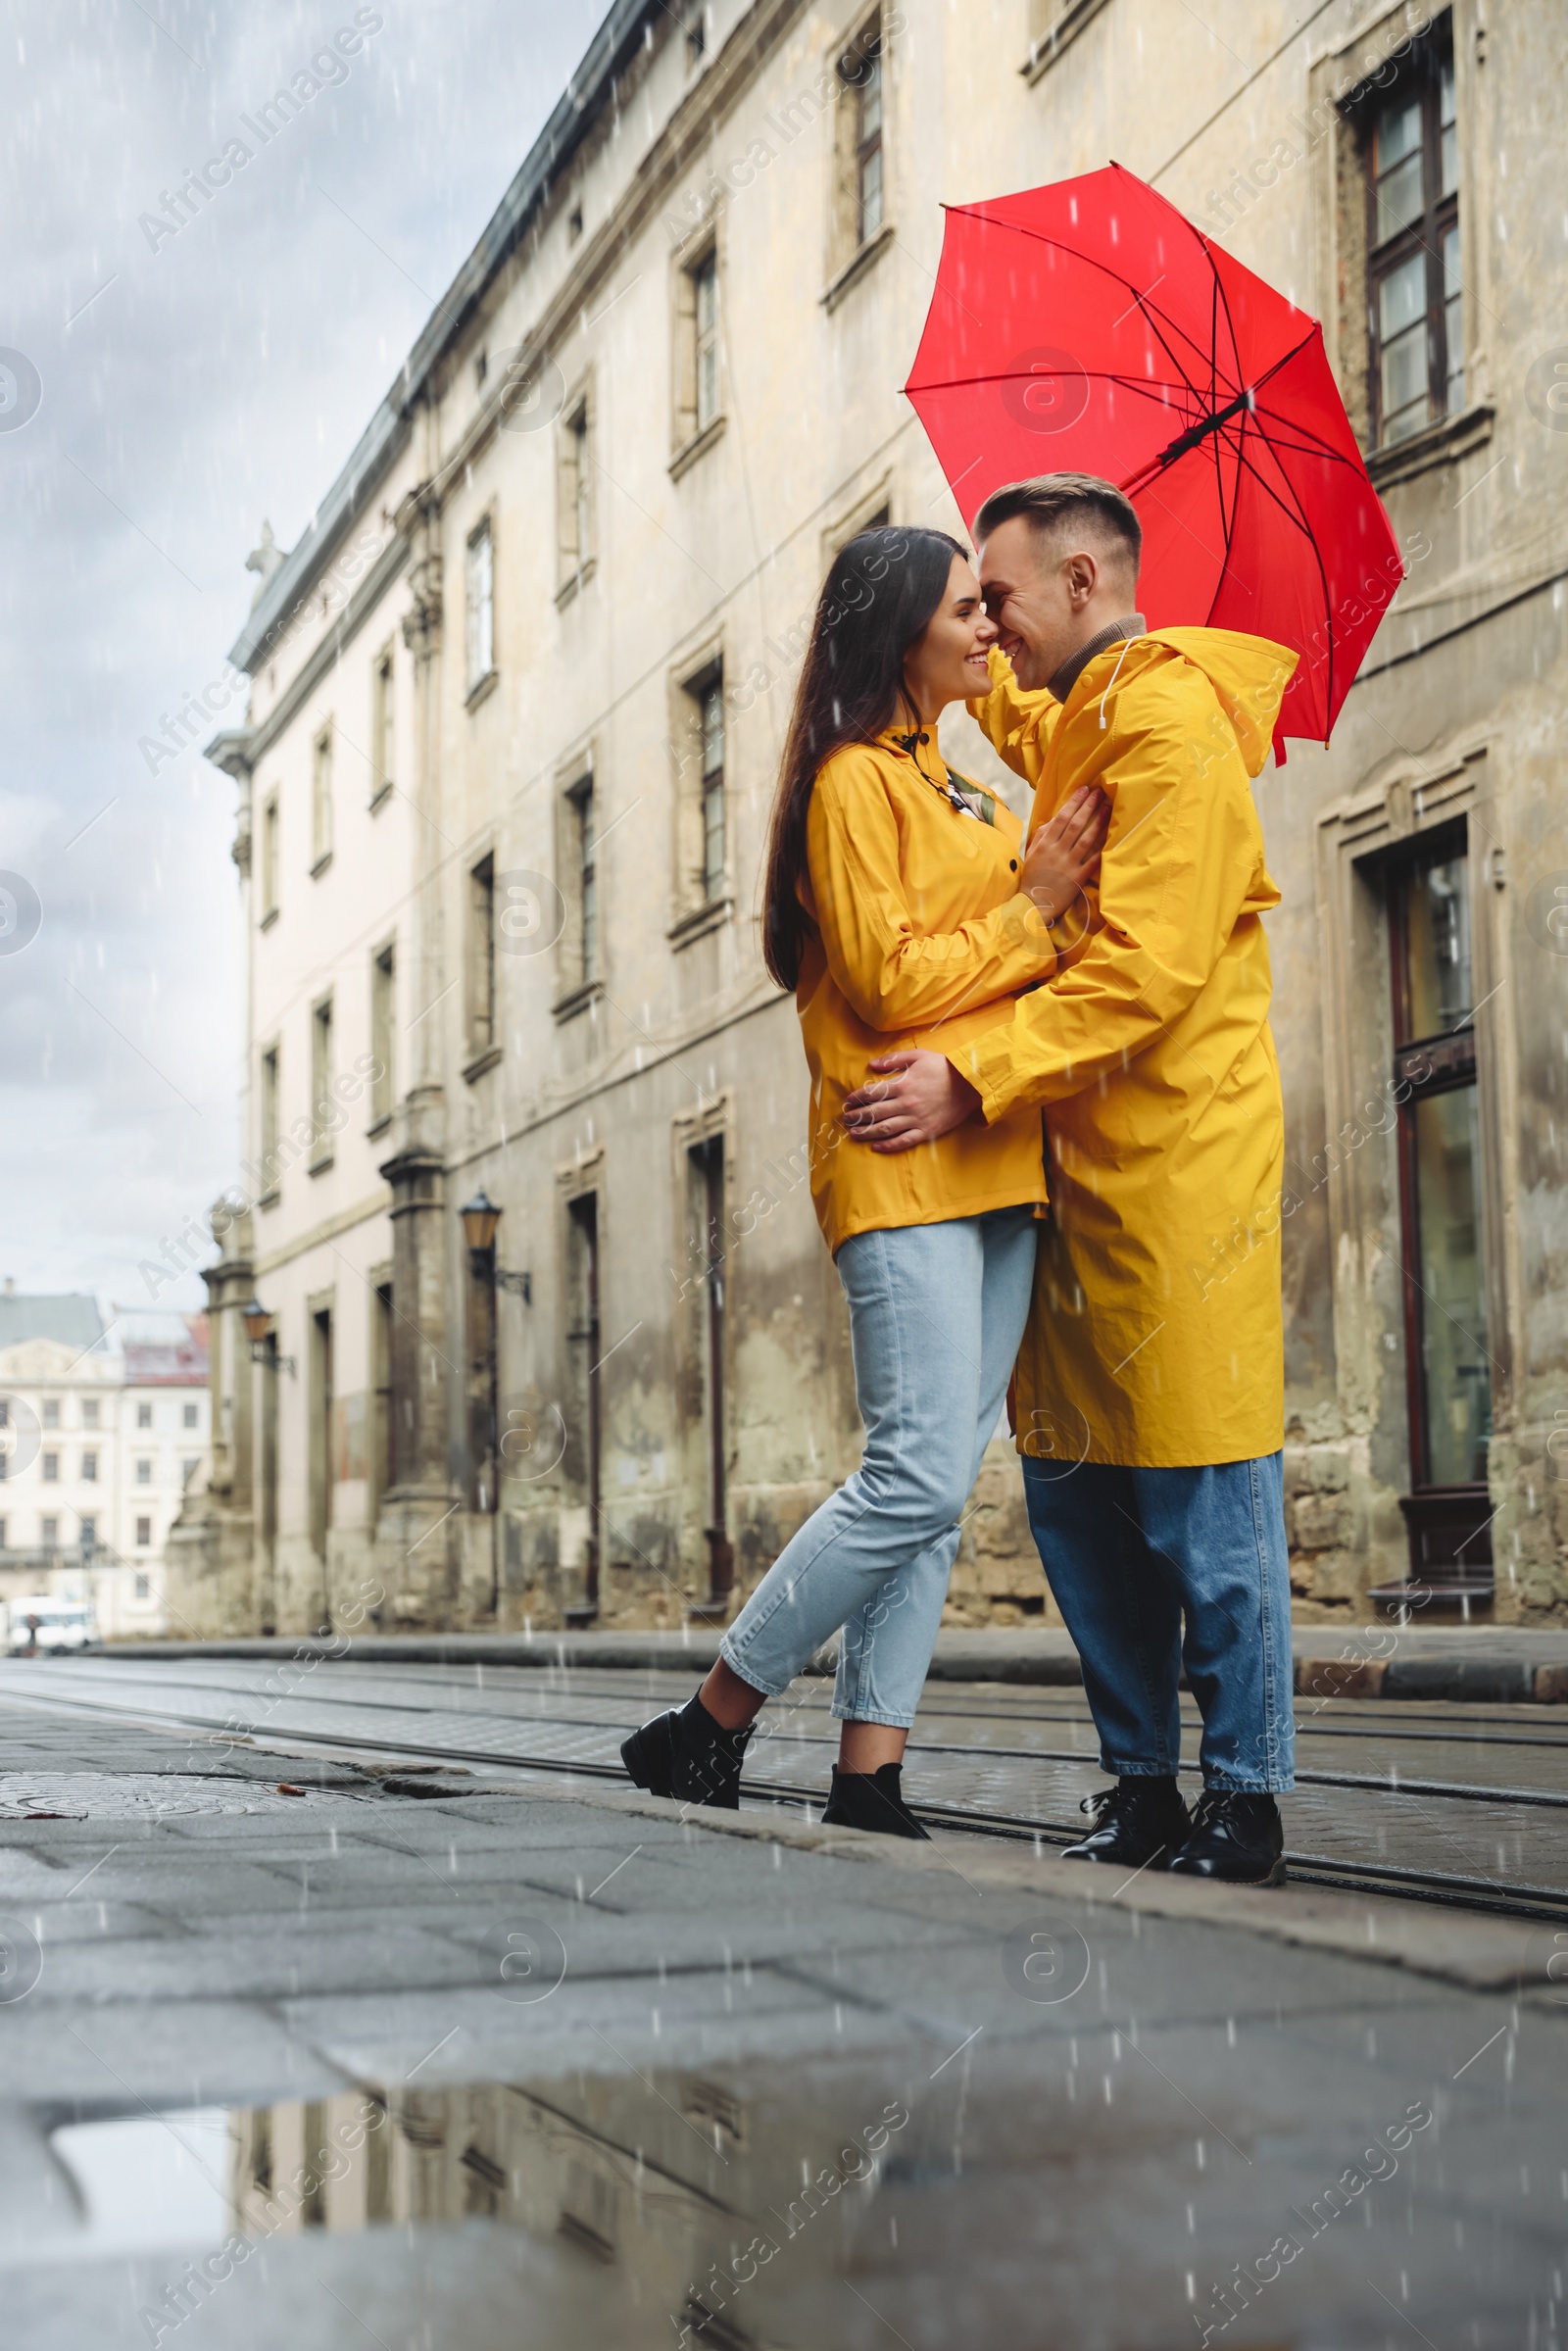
{"x":871,"y":1800}
{"x":687,"y":1755}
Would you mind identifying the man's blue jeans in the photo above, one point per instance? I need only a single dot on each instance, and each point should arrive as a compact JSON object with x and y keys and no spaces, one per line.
{"x":936,"y":1315}
{"x":1129,"y":1554}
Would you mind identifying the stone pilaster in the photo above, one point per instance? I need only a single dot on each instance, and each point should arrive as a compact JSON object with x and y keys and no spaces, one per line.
{"x":214,"y":1565}
{"x":417,"y":1536}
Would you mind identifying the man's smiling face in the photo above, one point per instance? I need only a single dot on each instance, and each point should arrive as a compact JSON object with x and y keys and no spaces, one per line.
{"x":1026,"y":593}
{"x":1048,"y":597}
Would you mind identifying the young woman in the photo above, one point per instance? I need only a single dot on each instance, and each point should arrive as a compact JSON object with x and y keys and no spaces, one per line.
{"x":896,"y":909}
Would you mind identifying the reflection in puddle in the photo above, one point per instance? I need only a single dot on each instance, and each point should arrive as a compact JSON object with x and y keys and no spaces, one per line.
{"x":152,"y":2180}
{"x":693,"y":2188}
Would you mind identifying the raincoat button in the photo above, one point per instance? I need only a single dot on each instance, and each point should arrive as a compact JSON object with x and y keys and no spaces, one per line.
{"x":1012,"y":864}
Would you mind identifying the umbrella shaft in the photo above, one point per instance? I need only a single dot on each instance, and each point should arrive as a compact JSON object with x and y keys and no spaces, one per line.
{"x":1191,"y":438}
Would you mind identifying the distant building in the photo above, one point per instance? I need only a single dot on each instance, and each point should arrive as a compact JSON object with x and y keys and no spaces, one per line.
{"x":517,"y":698}
{"x":102,"y":1427}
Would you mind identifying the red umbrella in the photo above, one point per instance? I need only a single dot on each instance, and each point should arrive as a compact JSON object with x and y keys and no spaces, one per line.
{"x":1090,"y":328}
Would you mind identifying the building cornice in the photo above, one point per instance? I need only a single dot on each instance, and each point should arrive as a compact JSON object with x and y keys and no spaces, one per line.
{"x":576,"y":114}
{"x":239,"y":753}
{"x":684,"y":136}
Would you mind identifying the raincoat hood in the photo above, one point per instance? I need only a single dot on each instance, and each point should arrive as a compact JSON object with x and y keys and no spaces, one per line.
{"x":1248,"y":675}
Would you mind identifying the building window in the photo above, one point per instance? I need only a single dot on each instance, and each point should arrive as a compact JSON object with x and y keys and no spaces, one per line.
{"x":861,"y":73}
{"x":322,"y":799}
{"x":382,"y":1472}
{"x":51,"y":1412}
{"x":1415,"y":301}
{"x":383,"y":739}
{"x":383,"y":997}
{"x":704,"y":302}
{"x":321,"y":1106}
{"x":696,"y":373}
{"x":188,"y":1465}
{"x":269,"y":858}
{"x":269,"y":1123}
{"x":481,"y":605}
{"x":573,"y":493}
{"x":3,"y":1545}
{"x":711,"y":704}
{"x":482,"y":956}
{"x":1449,"y":1368}
{"x":188,"y":1416}
{"x":49,"y":1533}
{"x":584,"y":876}
{"x":144,"y":1584}
{"x":695,"y":34}
{"x":88,"y":1526}
{"x":90,"y":1469}
{"x":51,"y":1469}
{"x":318,"y":1442}
{"x":89,"y":1412}
{"x":144,"y":1417}
{"x":144,"y":1533}
{"x":145,"y":1472}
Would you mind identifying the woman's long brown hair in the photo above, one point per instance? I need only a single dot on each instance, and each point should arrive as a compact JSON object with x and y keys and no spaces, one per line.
{"x":881,"y":591}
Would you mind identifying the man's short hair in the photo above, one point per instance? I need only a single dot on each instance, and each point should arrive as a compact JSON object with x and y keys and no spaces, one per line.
{"x":1053,"y":502}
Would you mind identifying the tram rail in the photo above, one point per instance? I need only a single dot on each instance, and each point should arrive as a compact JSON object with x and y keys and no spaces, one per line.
{"x":1497,"y":1897}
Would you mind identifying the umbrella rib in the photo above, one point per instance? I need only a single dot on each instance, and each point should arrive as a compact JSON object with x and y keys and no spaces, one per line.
{"x":1318,"y":556}
{"x":1058,"y":245}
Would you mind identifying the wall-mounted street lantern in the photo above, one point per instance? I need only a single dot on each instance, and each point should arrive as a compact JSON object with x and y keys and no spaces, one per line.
{"x":481,"y":1219}
{"x":261,"y":1329}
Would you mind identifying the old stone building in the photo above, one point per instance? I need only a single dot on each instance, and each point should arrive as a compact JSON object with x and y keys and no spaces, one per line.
{"x":517,"y":699}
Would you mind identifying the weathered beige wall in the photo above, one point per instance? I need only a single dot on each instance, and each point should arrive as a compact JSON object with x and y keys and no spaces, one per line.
{"x":721,"y":554}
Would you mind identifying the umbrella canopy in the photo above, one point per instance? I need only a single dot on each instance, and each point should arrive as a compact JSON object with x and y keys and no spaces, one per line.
{"x":1090,"y":328}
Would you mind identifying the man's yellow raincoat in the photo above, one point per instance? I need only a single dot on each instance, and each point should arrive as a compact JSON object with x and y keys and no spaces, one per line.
{"x":1155,"y":1335}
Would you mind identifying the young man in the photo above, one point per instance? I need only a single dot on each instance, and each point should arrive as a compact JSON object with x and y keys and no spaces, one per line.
{"x":1150,"y":1379}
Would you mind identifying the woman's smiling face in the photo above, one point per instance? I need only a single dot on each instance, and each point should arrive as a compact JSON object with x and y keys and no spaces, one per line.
{"x":947,"y":662}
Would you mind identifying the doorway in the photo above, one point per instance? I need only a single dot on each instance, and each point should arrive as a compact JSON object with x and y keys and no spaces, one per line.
{"x":705,"y":1195}
{"x":1448,"y":1363}
{"x":582,"y":1337}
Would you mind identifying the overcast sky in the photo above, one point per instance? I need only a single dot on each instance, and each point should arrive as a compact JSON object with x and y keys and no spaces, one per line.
{"x":182,"y":394}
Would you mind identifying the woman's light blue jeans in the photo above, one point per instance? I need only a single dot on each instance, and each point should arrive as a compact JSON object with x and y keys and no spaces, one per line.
{"x":936,"y":1315}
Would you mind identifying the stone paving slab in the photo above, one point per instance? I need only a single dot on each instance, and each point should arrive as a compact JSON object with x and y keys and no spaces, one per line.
{"x":1468,"y":1663}
{"x":1079,"y":2166}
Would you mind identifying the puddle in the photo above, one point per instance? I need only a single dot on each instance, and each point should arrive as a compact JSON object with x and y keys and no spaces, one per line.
{"x":677,"y":2208}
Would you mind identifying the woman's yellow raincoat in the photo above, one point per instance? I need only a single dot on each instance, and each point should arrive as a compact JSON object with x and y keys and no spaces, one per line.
{"x":920,"y":929}
{"x":1155,"y":1335}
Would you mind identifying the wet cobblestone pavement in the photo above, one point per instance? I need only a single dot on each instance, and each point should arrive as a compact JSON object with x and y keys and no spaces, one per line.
{"x":525,"y":2061}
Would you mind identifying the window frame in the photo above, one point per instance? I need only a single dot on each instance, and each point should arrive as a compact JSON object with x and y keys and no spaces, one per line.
{"x":383,"y":723}
{"x":1445,"y":1063}
{"x":1419,"y":77}
{"x":384,"y":1022}
{"x":269,"y":1116}
{"x":271,"y":833}
{"x":575,"y":503}
{"x":321,"y":758}
{"x":480,"y":1008}
{"x":323,"y":1138}
{"x":869,"y":145}
{"x":480,"y":606}
{"x":581,"y":800}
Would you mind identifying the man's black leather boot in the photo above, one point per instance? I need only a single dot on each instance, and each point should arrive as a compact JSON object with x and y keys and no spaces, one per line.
{"x":1236,"y":1839}
{"x":1140,"y":1822}
{"x":689,"y":1756}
